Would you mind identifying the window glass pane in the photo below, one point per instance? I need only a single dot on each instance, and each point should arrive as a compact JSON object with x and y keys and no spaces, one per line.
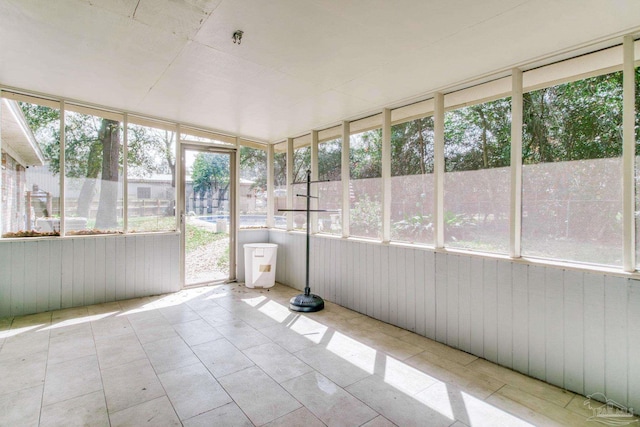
{"x":412,"y":181}
{"x":572,"y":171}
{"x":151,"y":180}
{"x":280,"y":186}
{"x":301,"y":163}
{"x":93,"y":174}
{"x":30,"y":150}
{"x":365,"y":157}
{"x":253,"y":187}
{"x":330,"y":193}
{"x":477,"y":176}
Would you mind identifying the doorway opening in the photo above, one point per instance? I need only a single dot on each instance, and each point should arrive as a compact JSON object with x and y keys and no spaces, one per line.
{"x":208,"y":219}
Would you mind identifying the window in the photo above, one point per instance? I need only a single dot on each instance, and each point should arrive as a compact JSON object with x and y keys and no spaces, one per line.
{"x":477,"y":176}
{"x":280,"y":185}
{"x":253,"y":187}
{"x":365,"y":165}
{"x":151,"y":180}
{"x":330,"y":192}
{"x":144,"y":193}
{"x":412,"y":181}
{"x":30,"y":150}
{"x":93,"y":172}
{"x":572,"y":171}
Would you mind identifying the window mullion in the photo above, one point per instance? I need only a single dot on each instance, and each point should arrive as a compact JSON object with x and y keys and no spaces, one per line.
{"x":386,"y":175}
{"x":438,"y":169}
{"x":628,"y":154}
{"x":515,"y":222}
{"x":346,"y":178}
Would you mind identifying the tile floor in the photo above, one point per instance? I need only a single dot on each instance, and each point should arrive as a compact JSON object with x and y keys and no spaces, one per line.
{"x":231,"y":356}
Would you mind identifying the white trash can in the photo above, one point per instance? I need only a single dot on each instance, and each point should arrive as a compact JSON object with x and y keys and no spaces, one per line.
{"x":260,"y":264}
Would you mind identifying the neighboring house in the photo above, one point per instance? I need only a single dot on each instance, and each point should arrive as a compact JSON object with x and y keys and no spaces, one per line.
{"x":20,"y":150}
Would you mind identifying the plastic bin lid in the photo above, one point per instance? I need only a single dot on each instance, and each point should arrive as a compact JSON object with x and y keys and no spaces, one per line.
{"x":260,"y":245}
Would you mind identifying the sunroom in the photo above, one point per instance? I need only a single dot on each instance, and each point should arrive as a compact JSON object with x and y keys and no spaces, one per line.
{"x":474,"y":174}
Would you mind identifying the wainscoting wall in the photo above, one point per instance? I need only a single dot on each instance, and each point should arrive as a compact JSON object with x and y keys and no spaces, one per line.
{"x":578,"y":330}
{"x":43,"y":274}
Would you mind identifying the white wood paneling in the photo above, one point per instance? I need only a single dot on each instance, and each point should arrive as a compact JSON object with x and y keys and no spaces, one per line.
{"x":453,"y":301}
{"x":520,"y":308}
{"x":490,"y":309}
{"x":89,"y":283}
{"x":577,"y":330}
{"x":615,"y":321}
{"x":120,"y":267}
{"x":594,"y":328}
{"x":543,"y":321}
{"x":464,"y":303}
{"x":401,"y":284}
{"x":77,"y":289}
{"x":633,"y":332}
{"x":100,"y":293}
{"x":554,"y":325}
{"x":43,"y":257}
{"x":5,"y":280}
{"x":410,"y":280}
{"x":505,"y":313}
{"x":441,"y":297}
{"x":573,"y":326}
{"x":48,"y":274}
{"x":66,"y":273}
{"x":376,"y":273}
{"x":55,"y":274}
{"x":420,"y":299}
{"x":537,"y":342}
{"x":393,"y":285}
{"x":17,"y":278}
{"x":29,"y":287}
{"x":430,"y":293}
{"x":477,"y":308}
{"x":110,"y":272}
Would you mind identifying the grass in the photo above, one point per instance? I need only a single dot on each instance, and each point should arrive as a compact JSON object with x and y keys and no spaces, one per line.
{"x":197,"y":237}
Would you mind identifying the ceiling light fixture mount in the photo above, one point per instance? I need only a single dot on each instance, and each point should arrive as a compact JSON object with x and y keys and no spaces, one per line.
{"x":237,"y":36}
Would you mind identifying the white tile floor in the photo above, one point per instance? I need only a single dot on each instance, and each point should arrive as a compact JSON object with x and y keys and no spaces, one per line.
{"x":231,"y":356}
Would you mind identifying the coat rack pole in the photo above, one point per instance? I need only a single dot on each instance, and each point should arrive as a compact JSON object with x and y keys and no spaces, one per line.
{"x":307,"y":302}
{"x":307,"y":289}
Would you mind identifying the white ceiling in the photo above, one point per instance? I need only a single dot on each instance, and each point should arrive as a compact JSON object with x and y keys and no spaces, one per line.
{"x":302,"y":64}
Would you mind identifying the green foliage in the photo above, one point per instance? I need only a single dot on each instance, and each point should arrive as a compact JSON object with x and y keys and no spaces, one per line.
{"x":150,"y":151}
{"x":366,"y":217}
{"x":301,"y":163}
{"x":210,"y":172}
{"x":412,"y":147}
{"x":253,"y":166}
{"x":414,"y":228}
{"x":365,"y":154}
{"x":330,"y":160}
{"x":574,"y":121}
{"x":478,"y":137}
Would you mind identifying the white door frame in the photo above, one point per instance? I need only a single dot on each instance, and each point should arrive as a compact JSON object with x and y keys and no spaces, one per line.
{"x":233,"y":226}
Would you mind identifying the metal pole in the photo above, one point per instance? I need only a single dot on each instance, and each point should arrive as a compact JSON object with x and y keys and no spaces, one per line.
{"x":307,"y":289}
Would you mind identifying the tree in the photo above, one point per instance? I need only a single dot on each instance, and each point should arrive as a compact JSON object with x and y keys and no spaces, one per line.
{"x":210,"y":175}
{"x":93,"y":147}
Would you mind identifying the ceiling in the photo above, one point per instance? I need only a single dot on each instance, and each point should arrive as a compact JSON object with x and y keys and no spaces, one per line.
{"x":302,"y":64}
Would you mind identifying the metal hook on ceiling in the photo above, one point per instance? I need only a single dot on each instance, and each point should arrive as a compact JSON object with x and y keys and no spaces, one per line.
{"x":237,"y":36}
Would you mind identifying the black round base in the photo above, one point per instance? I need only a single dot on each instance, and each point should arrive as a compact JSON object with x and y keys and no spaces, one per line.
{"x":306,"y":303}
